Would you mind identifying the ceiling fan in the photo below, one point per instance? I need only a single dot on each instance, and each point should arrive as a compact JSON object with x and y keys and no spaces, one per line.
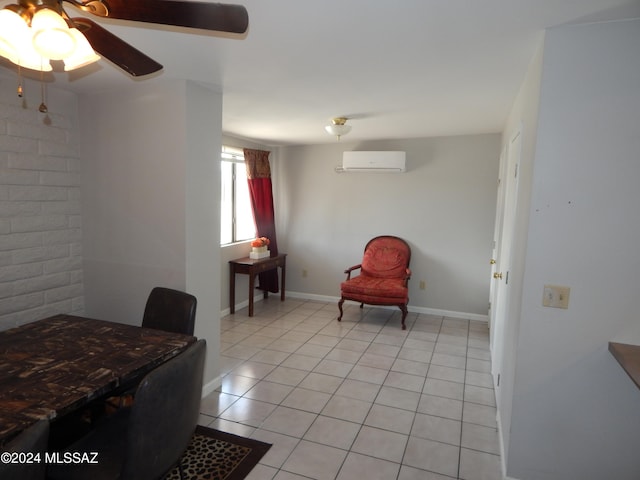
{"x":188,"y":14}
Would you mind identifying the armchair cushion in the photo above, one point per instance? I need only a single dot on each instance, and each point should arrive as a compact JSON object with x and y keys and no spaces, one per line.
{"x":372,"y":287}
{"x":386,"y":259}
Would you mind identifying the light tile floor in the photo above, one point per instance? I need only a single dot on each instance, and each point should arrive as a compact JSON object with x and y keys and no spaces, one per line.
{"x":359,"y":399}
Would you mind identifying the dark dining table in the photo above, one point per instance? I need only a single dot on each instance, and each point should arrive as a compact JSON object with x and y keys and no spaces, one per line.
{"x":55,"y":366}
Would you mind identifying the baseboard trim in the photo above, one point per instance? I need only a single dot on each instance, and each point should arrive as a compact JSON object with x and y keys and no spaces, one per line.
{"x":244,"y":303}
{"x":211,"y":386}
{"x":328,"y":298}
{"x":503,"y":462}
{"x":449,"y":313}
{"x":411,"y":308}
{"x":313,"y":296}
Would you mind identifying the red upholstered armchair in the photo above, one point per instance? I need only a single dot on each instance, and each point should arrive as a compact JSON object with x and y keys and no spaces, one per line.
{"x":384,"y":274}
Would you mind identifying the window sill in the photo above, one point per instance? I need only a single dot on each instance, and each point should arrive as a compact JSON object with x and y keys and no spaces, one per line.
{"x":234,"y":244}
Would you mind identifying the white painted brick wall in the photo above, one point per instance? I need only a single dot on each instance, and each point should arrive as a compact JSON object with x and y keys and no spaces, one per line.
{"x":40,"y":211}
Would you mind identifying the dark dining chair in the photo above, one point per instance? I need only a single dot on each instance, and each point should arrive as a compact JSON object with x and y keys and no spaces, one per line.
{"x":147,"y":440}
{"x":170,"y":310}
{"x":34,"y":441}
{"x":166,"y":309}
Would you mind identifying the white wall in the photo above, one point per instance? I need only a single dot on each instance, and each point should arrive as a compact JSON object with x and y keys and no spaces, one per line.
{"x":523,"y":118}
{"x":575,"y":412}
{"x":202,"y":218}
{"x":444,"y":206}
{"x":150,"y":200}
{"x":133,"y":147}
{"x":40,"y":221}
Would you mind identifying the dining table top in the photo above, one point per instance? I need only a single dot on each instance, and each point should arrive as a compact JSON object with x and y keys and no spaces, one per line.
{"x":54,"y":366}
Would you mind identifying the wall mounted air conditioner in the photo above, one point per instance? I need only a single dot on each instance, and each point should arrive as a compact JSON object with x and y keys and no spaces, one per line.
{"x":377,"y":162}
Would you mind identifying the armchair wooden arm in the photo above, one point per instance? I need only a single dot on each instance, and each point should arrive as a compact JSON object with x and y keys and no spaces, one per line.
{"x":407,"y":276}
{"x":351,"y":269}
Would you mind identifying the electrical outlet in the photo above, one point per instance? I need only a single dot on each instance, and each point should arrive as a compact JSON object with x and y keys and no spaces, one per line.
{"x":423,"y":285}
{"x":555,"y":296}
{"x":304,"y":273}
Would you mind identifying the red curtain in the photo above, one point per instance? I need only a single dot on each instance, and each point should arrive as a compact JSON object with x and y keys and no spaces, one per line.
{"x":261,"y":192}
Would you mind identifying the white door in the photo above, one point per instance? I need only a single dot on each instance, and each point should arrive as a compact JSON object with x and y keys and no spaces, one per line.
{"x":503,"y":259}
{"x":497,"y":231}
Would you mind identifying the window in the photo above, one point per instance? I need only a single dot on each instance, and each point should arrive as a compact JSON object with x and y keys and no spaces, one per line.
{"x":236,"y":216}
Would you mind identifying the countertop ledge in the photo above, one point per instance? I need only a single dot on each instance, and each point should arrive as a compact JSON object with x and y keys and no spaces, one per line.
{"x":628,"y":356}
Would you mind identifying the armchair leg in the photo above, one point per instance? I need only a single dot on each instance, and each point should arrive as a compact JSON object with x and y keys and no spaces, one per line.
{"x":340,"y":302}
{"x":404,"y":315}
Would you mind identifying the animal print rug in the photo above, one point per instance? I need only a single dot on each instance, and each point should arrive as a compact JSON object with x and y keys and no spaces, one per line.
{"x":216,"y":455}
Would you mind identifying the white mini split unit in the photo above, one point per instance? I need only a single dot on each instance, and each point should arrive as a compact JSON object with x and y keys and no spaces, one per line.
{"x":373,"y":162}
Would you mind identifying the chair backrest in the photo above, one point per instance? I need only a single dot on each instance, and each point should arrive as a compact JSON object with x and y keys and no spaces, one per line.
{"x":386,"y":256}
{"x":32,"y":440}
{"x":170,"y":310}
{"x":164,"y":415}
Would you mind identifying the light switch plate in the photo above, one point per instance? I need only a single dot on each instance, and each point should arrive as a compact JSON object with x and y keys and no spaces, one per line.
{"x":556,"y":296}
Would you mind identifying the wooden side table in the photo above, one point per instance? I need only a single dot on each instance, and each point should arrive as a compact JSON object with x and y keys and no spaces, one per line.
{"x":253,"y":267}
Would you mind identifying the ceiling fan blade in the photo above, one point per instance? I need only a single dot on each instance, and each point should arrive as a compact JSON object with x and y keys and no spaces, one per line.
{"x":119,"y":52}
{"x":207,"y":16}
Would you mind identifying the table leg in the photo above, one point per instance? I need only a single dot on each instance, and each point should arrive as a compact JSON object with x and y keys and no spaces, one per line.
{"x":252,"y":281}
{"x":283,"y":275}
{"x":232,"y":289}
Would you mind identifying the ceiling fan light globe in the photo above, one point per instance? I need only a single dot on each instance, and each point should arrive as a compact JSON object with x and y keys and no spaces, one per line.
{"x":338,"y":130}
{"x":34,"y":62}
{"x":13,"y":31}
{"x":83,"y":54}
{"x":8,"y":51}
{"x":29,"y":58}
{"x":51,"y":35}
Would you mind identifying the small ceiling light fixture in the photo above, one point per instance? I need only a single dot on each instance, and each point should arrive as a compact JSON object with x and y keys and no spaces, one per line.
{"x":338,"y":127}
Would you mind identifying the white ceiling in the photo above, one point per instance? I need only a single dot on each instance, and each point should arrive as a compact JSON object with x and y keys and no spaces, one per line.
{"x":397,"y":69}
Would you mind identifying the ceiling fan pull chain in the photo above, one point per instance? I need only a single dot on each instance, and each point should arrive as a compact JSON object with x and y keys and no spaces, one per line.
{"x":43,"y":91}
{"x":20,"y":89}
